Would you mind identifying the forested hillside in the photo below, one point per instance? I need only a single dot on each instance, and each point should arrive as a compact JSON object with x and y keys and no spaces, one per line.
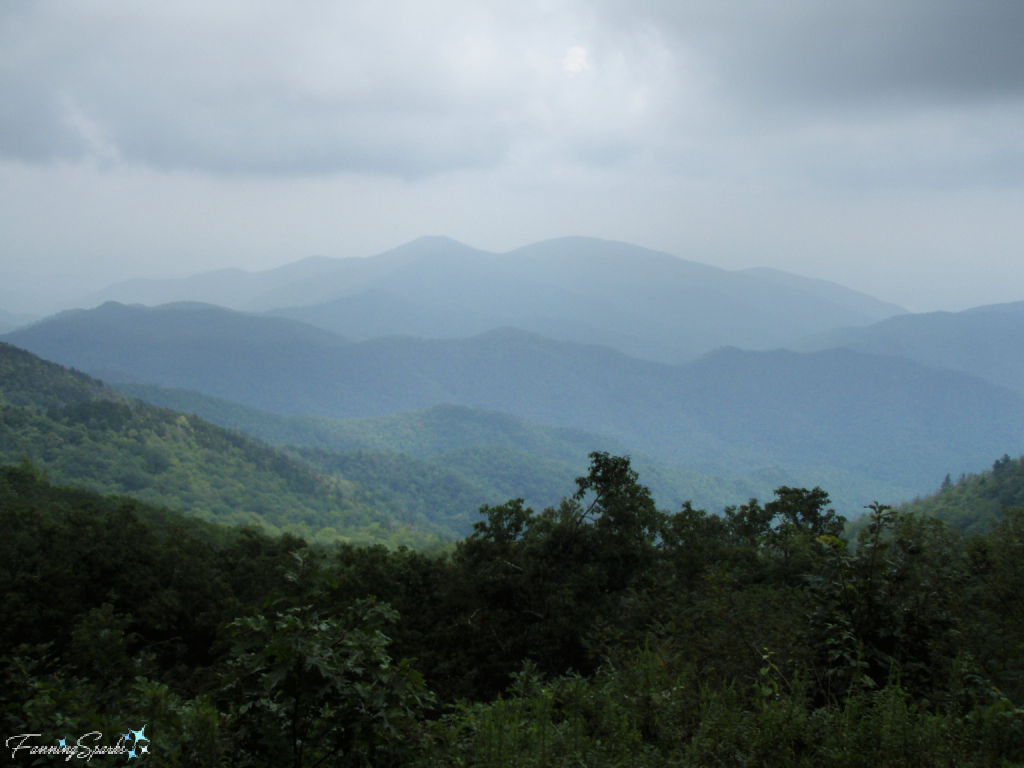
{"x":475,"y":457}
{"x":976,"y":503}
{"x":891,"y":427}
{"x":603,"y":632}
{"x":86,"y":435}
{"x":431,"y":432}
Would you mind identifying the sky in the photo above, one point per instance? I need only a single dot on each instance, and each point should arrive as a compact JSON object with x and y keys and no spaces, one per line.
{"x":876,"y":144}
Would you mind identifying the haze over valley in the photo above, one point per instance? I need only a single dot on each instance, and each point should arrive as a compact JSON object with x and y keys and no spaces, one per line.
{"x":718,"y":383}
{"x":422,"y":383}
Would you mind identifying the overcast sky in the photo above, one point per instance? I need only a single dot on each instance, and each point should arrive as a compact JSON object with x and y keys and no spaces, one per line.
{"x":877,"y":144}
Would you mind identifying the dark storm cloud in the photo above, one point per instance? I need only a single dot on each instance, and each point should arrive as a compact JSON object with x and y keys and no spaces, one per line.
{"x":824,"y":52}
{"x":416,"y":88}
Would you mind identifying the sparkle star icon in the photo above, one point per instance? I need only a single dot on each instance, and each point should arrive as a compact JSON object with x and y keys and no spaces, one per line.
{"x":140,"y":735}
{"x":145,"y":748}
{"x":131,"y":754}
{"x":63,"y":742}
{"x":127,"y":737}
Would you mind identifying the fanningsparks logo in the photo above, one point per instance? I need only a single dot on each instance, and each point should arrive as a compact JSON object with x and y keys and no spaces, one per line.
{"x":86,"y":748}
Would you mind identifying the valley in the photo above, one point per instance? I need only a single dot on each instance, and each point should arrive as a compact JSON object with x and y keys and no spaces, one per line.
{"x":537,"y":492}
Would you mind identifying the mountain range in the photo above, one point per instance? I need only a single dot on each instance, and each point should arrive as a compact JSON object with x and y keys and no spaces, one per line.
{"x":402,"y":479}
{"x":986,"y":341}
{"x":836,"y":417}
{"x":487,"y":373}
{"x":454,"y":457}
{"x":645,"y":303}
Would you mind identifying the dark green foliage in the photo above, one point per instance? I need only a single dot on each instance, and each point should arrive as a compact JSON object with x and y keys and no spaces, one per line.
{"x":599,"y":632}
{"x":309,"y":686}
{"x":654,"y":712}
{"x":67,"y":553}
{"x":84,"y":434}
{"x":543,"y":581}
{"x":975,"y":503}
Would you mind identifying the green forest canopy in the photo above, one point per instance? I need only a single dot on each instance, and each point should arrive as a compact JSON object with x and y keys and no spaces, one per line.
{"x":976,"y":503}
{"x":87,"y":435}
{"x":600,"y":632}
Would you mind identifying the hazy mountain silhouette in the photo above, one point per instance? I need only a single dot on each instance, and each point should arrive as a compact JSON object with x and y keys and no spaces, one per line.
{"x":733,"y":412}
{"x":646,"y":303}
{"x":986,"y":341}
{"x":208,"y":345}
{"x":9,"y":321}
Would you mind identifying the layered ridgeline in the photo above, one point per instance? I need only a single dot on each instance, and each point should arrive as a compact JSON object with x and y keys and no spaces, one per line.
{"x":863,"y":426}
{"x":976,"y":503}
{"x":645,"y":303}
{"x":84,"y":434}
{"x":10,"y":321}
{"x":986,"y":341}
{"x":448,"y":460}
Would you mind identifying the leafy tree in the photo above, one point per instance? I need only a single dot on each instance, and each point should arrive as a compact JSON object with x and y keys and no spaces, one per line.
{"x":805,"y":511}
{"x":538,"y":585}
{"x":310,"y":688}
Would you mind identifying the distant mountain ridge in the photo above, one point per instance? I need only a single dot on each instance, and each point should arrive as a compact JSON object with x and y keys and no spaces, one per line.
{"x":646,"y":303}
{"x":1012,"y":307}
{"x":851,"y":416}
{"x":9,"y":321}
{"x":232,"y":288}
{"x":437,"y":430}
{"x":986,"y":341}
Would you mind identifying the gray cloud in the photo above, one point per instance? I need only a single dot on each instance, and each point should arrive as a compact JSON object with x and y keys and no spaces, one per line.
{"x":873,"y":143}
{"x":828,"y":52}
{"x":410,"y":88}
{"x":404,"y":88}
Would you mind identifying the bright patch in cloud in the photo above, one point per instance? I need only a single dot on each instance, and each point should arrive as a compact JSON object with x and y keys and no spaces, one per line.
{"x":575,"y":60}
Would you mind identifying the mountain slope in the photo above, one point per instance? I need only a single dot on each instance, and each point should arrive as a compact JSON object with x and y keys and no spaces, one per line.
{"x":646,"y":303}
{"x":85,"y":435}
{"x":438,"y":430}
{"x":475,"y":457}
{"x":975,"y":503}
{"x":201,"y":343}
{"x":729,"y":413}
{"x":984,"y":341}
{"x":232,"y":288}
{"x":442,"y":463}
{"x":868,"y":306}
{"x":307,"y":281}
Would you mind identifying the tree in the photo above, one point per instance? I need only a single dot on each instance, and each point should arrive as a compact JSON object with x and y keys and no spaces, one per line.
{"x":539,"y":584}
{"x":805,"y":511}
{"x":311,"y":688}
